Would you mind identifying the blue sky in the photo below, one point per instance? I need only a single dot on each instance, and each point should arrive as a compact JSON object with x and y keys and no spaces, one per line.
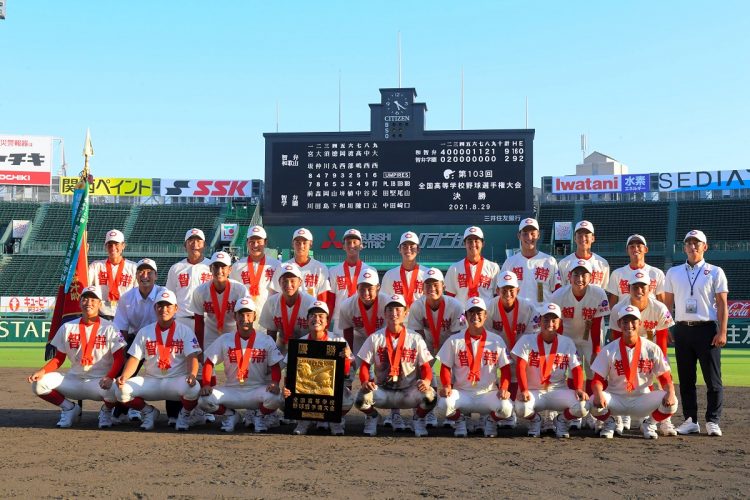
{"x":186,"y":89}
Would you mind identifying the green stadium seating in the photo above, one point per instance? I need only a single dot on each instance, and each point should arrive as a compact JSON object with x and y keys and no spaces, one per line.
{"x":726,"y":220}
{"x":31,"y":275}
{"x":168,"y":223}
{"x":614,"y":222}
{"x":10,"y":210}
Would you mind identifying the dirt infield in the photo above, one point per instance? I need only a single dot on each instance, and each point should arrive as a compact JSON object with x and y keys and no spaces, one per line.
{"x":42,"y":461}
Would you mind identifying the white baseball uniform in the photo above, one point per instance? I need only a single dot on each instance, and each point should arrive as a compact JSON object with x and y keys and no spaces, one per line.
{"x":599,"y":274}
{"x":272,"y":318}
{"x":98,"y":276}
{"x":203,"y":305}
{"x":183,"y":278}
{"x":394,"y":283}
{"x":351,"y":316}
{"x":475,"y":281}
{"x":654,"y":317}
{"x":314,"y":277}
{"x":342,"y":279}
{"x":257,"y":278}
{"x":452,"y":321}
{"x":537,"y":275}
{"x":134,"y":311}
{"x":526,"y":321}
{"x":619,"y":280}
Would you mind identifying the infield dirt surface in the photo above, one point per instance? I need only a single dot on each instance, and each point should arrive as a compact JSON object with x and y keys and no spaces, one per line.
{"x":40,"y":460}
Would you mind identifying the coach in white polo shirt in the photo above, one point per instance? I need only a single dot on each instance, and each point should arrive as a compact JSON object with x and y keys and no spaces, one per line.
{"x":135,"y":309}
{"x":698,"y":292}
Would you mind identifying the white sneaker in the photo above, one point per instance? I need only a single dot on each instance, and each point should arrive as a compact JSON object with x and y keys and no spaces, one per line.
{"x":430,"y":420}
{"x":561,"y":427}
{"x":618,"y":425}
{"x":397,"y":422}
{"x":105,"y":418}
{"x":337,"y":429}
{"x":666,"y":428}
{"x":576,"y":424}
{"x":713,"y":429}
{"x":67,"y":417}
{"x":260,"y":422}
{"x":461,"y":429}
{"x":171,"y":421}
{"x":321,"y":426}
{"x":248,"y":418}
{"x":121,"y":419}
{"x":388,"y":420}
{"x":302,"y":427}
{"x":608,"y":429}
{"x":272,"y":420}
{"x":548,"y":423}
{"x":490,"y":427}
{"x":689,"y":427}
{"x":210,"y":418}
{"x":648,"y":428}
{"x":371,"y":425}
{"x":449,"y":424}
{"x":508,"y":423}
{"x":134,"y":415}
{"x":230,"y":421}
{"x":420,"y":427}
{"x":592,"y":423}
{"x":470,"y":424}
{"x":183,"y":420}
{"x":535,"y":426}
{"x":626,"y":422}
{"x":149,"y":418}
{"x":197,"y":417}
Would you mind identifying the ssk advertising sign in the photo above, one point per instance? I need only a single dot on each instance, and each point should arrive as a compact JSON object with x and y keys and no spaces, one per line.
{"x":204,"y":187}
{"x":25,"y":160}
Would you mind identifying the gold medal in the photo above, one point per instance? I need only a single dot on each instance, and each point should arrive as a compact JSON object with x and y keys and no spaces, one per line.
{"x":242,"y":381}
{"x":164,"y":371}
{"x":587,"y":329}
{"x":86,"y":368}
{"x":394,"y":379}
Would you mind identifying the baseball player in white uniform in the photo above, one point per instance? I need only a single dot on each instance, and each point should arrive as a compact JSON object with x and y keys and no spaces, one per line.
{"x":628,"y":366}
{"x":619,"y":281}
{"x":188,"y":274}
{"x":543,"y":362}
{"x":247,"y":355}
{"x":343,"y":277}
{"x":584,"y":238}
{"x":257,"y":270}
{"x":407,"y":279}
{"x":363,"y":314}
{"x":468,"y":373}
{"x":536,"y":271}
{"x":314,"y":273}
{"x":402,"y":371}
{"x":170,"y":353}
{"x":473,"y":276}
{"x":96,"y":352}
{"x":115,"y":275}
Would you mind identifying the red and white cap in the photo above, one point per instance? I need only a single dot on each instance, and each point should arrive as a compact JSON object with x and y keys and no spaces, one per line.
{"x":396,"y":299}
{"x":435,"y":274}
{"x":221,"y":258}
{"x":584,"y":225}
{"x":368,"y":277}
{"x":528,"y":222}
{"x":245,"y":304}
{"x":507,"y":278}
{"x":256,"y":232}
{"x":697,"y":234}
{"x":145,"y":263}
{"x":92,"y":290}
{"x":550,"y":308}
{"x":629,"y":311}
{"x":195,"y":233}
{"x":303,"y":233}
{"x":352,"y":233}
{"x":409,"y":236}
{"x":318,"y":304}
{"x":475,"y":303}
{"x":114,"y":235}
{"x":584,"y":264}
{"x":474,"y":231}
{"x":639,"y":277}
{"x":636,"y":237}
{"x":290,"y":268}
{"x":167,"y":296}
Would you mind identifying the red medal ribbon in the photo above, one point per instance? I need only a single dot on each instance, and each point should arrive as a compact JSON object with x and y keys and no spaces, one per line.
{"x":394,"y":356}
{"x":113,"y":283}
{"x":88,"y":351}
{"x":411,"y":287}
{"x":435,"y":328}
{"x":475,"y":359}
{"x":220,"y":311}
{"x":472,"y":283}
{"x":510,"y":330}
{"x":243,"y":360}
{"x":630,"y":368}
{"x":546,"y":362}
{"x":163,"y":347}
{"x":351,"y":284}
{"x":254,"y":276}
{"x":370,"y":324}
{"x":288,"y":323}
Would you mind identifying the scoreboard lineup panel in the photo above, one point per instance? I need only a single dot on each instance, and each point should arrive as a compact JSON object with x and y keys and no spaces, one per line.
{"x":476,"y":177}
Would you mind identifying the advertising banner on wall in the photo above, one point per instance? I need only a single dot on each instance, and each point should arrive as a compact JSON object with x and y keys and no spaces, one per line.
{"x":20,"y":227}
{"x":704,"y":180}
{"x":563,"y":231}
{"x":23,"y":304}
{"x":110,"y":186}
{"x":25,"y":160}
{"x":593,"y":184}
{"x":204,"y":187}
{"x":228,"y":231}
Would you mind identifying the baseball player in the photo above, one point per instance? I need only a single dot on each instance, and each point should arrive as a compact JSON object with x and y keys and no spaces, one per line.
{"x":247,"y":356}
{"x":543,"y":361}
{"x":96,"y":356}
{"x":115,"y":275}
{"x":363,"y":314}
{"x":583,"y":308}
{"x":627,"y":366}
{"x":536,"y":271}
{"x":468,"y":373}
{"x":343,"y":277}
{"x":170,"y":353}
{"x":402,"y":371}
{"x":314,"y":273}
{"x":188,"y":274}
{"x":584,"y":238}
{"x":619,"y":281}
{"x":510,"y":316}
{"x":473,"y":276}
{"x":407,"y":279}
{"x":256,"y":272}
{"x":317,"y":322}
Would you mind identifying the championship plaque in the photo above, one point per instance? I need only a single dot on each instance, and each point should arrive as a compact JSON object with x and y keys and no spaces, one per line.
{"x":315,"y":377}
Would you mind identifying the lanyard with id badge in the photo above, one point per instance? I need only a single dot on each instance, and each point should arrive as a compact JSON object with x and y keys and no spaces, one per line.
{"x":691,"y":304}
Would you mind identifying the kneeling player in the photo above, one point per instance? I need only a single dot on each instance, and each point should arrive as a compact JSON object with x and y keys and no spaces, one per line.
{"x":247,"y":356}
{"x":96,"y":355}
{"x":542,"y":361}
{"x":472,"y":358}
{"x":170,"y":353}
{"x":396,"y":353}
{"x":628,"y":365}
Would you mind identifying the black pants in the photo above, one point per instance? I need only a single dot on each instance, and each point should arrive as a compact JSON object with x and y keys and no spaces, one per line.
{"x":693,"y":344}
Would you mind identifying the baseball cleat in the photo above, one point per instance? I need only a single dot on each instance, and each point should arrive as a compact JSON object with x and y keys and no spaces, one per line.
{"x":626,"y":422}
{"x":260,"y":422}
{"x":461,"y":429}
{"x":302,"y":427}
{"x":183,"y":420}
{"x":134,"y":415}
{"x":608,"y":430}
{"x":667,"y":428}
{"x":149,"y":418}
{"x":321,"y":426}
{"x":67,"y":417}
{"x":535,"y":426}
{"x":648,"y":428}
{"x":548,"y":423}
{"x":397,"y":422}
{"x":490,"y":427}
{"x":508,"y":423}
{"x":689,"y":427}
{"x":388,"y":421}
{"x":197,"y":417}
{"x":561,"y":426}
{"x":371,"y":425}
{"x":247,"y":418}
{"x":105,"y":418}
{"x":619,"y":427}
{"x":337,"y":429}
{"x":713,"y":429}
{"x":230,"y":421}
{"x":431,"y":421}
{"x":171,"y":421}
{"x":272,"y":420}
{"x":420,"y":427}
{"x":576,"y":424}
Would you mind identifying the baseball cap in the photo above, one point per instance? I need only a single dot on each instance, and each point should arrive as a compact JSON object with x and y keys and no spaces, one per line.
{"x":408,"y":236}
{"x":245,"y":304}
{"x":292,"y":269}
{"x":697,"y":234}
{"x":629,"y":311}
{"x":550,"y":308}
{"x":352,"y":233}
{"x":114,"y":235}
{"x":92,"y":290}
{"x":167,"y":296}
{"x":584,"y":264}
{"x":256,"y":232}
{"x":474,"y":303}
{"x":369,"y":277}
{"x":221,"y":258}
{"x":397,"y":299}
{"x":507,"y":278}
{"x":584,"y":225}
{"x":435,"y":274}
{"x":146,"y":263}
{"x":528,"y":222}
{"x":318,"y":304}
{"x":473,"y":231}
{"x":302,"y":233}
{"x":636,"y":237}
{"x":195,"y":232}
{"x":639,"y":277}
